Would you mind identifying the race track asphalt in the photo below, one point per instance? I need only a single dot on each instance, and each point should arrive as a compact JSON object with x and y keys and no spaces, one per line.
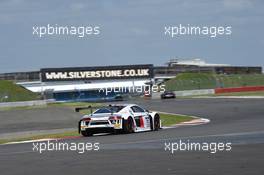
{"x":37,"y":119}
{"x":239,"y":121}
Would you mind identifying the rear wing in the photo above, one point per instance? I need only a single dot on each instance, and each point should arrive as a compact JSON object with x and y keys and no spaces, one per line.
{"x":78,"y":109}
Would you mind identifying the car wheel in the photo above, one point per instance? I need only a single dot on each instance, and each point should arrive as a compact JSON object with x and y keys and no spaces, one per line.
{"x":156,"y":122}
{"x":151,"y":123}
{"x":86,"y":133}
{"x":117,"y":131}
{"x":128,"y":125}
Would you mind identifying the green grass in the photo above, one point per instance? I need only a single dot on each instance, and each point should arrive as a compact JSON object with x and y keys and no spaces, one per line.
{"x":170,"y":119}
{"x":191,"y":81}
{"x":22,"y":107}
{"x":43,"y":136}
{"x":167,"y":120}
{"x":74,"y":104}
{"x":71,"y":105}
{"x":15,"y":92}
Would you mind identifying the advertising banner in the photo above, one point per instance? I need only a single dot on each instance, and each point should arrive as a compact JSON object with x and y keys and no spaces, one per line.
{"x":97,"y":73}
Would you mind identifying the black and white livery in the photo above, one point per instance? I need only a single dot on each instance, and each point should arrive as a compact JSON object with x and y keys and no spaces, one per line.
{"x":119,"y":118}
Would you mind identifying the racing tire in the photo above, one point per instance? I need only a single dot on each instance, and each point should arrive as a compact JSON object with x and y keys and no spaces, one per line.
{"x":128,"y":125}
{"x":117,"y":131}
{"x":86,"y":134}
{"x":156,"y":122}
{"x":151,"y":124}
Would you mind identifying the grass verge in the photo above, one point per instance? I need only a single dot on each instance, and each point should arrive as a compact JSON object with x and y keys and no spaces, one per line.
{"x":73,"y":104}
{"x":43,"y":136}
{"x":193,"y":81}
{"x":70,"y":105}
{"x":170,"y":119}
{"x":11,"y":92}
{"x":22,"y":107}
{"x":167,"y":120}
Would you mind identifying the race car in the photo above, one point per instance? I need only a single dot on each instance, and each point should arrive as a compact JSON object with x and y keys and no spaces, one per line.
{"x":119,"y":118}
{"x":167,"y":94}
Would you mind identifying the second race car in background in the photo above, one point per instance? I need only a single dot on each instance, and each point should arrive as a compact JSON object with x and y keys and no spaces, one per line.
{"x":167,"y":94}
{"x":119,"y":118}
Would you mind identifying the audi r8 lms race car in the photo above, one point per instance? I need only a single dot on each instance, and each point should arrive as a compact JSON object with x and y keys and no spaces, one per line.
{"x":119,"y":118}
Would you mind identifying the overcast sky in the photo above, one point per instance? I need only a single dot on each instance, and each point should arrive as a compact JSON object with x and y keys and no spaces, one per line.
{"x":132,"y":32}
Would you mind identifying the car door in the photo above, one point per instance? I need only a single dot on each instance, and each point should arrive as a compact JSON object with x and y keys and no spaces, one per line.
{"x":142,"y":119}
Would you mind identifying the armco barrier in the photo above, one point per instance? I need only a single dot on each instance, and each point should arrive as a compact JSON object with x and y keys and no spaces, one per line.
{"x":239,"y":89}
{"x":212,"y":91}
{"x":156,"y":95}
{"x":186,"y":93}
{"x":194,"y":92}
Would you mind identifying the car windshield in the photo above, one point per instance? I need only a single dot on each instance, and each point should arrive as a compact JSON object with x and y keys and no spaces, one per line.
{"x":112,"y":109}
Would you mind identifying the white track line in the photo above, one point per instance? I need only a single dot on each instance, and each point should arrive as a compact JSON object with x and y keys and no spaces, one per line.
{"x":28,"y":141}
